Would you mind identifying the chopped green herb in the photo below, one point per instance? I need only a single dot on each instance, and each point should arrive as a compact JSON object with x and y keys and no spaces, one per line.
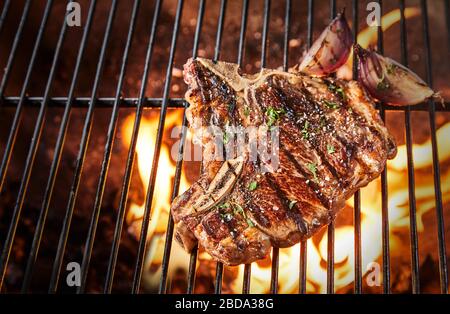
{"x":238,"y":209}
{"x":305,"y":131}
{"x":273,"y":115}
{"x":323,"y":121}
{"x":226,"y":138}
{"x":331,"y":104}
{"x":246,"y":111}
{"x":313,"y":168}
{"x":383,"y":84}
{"x":330,"y":149}
{"x":224,"y":205}
{"x":292,"y":203}
{"x":253,"y":185}
{"x":350,"y":110}
{"x":337,"y":90}
{"x":391,"y":68}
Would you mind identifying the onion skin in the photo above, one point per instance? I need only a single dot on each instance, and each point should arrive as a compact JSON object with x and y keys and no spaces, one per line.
{"x":388,"y":81}
{"x":330,"y":51}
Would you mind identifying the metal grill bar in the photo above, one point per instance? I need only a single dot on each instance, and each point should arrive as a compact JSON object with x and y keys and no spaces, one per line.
{"x":331,"y":226}
{"x":384,"y":190}
{"x":170,"y":223}
{"x":357,"y":196}
{"x":248,"y":267}
{"x":131,"y":155}
{"x":191,"y":272}
{"x":304,"y":244}
{"x":151,"y":185}
{"x":415,"y":282}
{"x":17,"y":116}
{"x":223,"y":5}
{"x":82,"y":154}
{"x":178,"y":169}
{"x":4,"y":13}
{"x":11,"y":140}
{"x":447,"y":14}
{"x":105,"y":167}
{"x":12,"y":54}
{"x":275,"y":252}
{"x":436,"y":166}
{"x":152,"y":102}
{"x":193,"y":257}
{"x":57,"y":156}
{"x":34,"y":145}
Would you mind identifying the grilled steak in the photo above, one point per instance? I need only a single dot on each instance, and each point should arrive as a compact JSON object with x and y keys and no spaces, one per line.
{"x":331,"y":143}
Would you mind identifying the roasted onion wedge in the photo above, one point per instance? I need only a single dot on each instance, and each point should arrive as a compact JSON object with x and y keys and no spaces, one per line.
{"x":330,"y":50}
{"x":388,"y":81}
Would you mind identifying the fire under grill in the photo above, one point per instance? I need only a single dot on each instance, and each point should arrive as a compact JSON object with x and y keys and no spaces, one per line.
{"x":69,"y":164}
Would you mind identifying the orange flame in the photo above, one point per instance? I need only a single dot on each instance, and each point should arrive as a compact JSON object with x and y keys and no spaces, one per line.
{"x":163,"y":189}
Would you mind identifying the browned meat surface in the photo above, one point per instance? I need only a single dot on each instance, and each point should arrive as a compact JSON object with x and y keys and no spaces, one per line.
{"x":331,"y":143}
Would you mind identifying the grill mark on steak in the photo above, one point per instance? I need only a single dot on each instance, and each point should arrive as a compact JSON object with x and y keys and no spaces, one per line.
{"x":314,"y":140}
{"x":295,"y":215}
{"x":314,"y":187}
{"x":317,"y":136}
{"x":360,"y":123}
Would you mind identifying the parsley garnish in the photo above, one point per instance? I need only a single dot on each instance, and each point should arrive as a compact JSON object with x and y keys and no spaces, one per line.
{"x":226,"y":138}
{"x":330,"y":149}
{"x":253,"y":185}
{"x":246,"y":111}
{"x":273,"y":115}
{"x":337,"y":90}
{"x":391,"y":68}
{"x":238,"y":209}
{"x":323,"y":121}
{"x":331,"y":104}
{"x":313,"y":168}
{"x":224,"y":205}
{"x":305,"y":131}
{"x":382,"y":84}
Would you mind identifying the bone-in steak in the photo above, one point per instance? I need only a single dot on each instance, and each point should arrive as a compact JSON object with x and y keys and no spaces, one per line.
{"x":331,"y":143}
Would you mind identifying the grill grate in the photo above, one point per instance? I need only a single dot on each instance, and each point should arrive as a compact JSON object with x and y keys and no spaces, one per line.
{"x":141,"y":102}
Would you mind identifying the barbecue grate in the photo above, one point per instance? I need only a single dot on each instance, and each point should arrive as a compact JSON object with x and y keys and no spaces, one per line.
{"x":117,"y":101}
